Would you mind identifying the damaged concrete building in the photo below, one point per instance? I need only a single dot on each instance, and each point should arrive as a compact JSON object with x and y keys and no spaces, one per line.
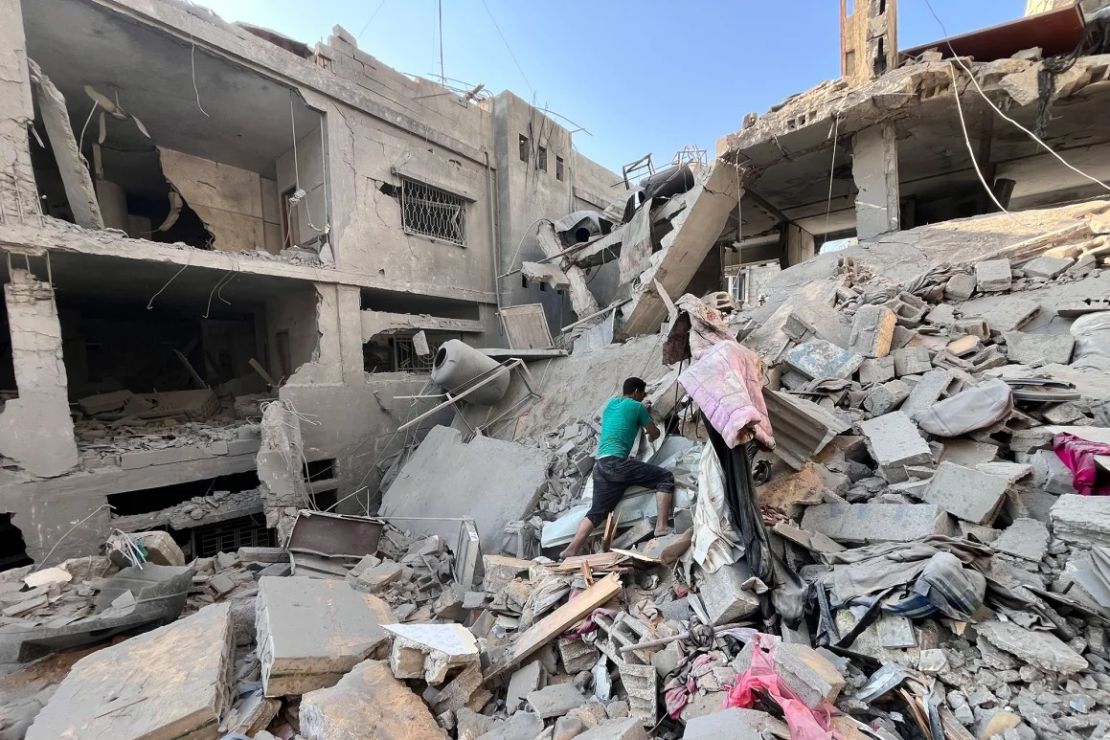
{"x":199,"y":217}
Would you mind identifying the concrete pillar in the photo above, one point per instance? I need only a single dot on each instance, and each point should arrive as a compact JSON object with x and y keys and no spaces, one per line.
{"x":799,"y":245}
{"x":36,"y":429}
{"x":875,"y":170}
{"x":18,"y":192}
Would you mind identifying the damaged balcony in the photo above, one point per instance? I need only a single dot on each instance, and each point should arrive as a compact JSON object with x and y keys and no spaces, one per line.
{"x":401,"y":332}
{"x":178,"y":146}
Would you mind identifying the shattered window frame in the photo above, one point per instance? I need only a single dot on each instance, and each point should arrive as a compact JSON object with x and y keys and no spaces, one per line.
{"x":432,"y":212}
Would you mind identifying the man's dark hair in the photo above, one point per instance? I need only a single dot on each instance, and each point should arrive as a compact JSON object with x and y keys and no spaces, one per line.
{"x":631,"y":385}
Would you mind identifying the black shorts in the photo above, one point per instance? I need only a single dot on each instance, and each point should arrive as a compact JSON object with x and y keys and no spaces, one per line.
{"x":612,"y":475}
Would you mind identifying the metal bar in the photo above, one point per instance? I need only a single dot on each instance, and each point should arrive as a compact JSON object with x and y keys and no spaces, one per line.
{"x":452,"y":399}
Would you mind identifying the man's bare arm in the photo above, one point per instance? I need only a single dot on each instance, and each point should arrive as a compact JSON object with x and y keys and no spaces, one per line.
{"x":652,"y":431}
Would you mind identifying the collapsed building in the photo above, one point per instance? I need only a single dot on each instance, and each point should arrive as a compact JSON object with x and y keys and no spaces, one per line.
{"x":902,"y":533}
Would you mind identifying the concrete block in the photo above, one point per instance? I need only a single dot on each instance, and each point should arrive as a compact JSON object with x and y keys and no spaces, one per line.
{"x":440,"y":648}
{"x":1081,"y":519}
{"x":555,"y":700}
{"x":967,"y":452}
{"x":872,"y":330}
{"x":168,"y":683}
{"x":909,"y":310}
{"x":629,"y":728}
{"x":993,"y":275}
{"x":311,"y":631}
{"x":964,"y":346}
{"x":367,"y":701}
{"x":809,"y":674}
{"x":941,"y":315}
{"x":966,"y":493}
{"x":577,"y":655}
{"x":974,"y":327}
{"x":1046,"y":267}
{"x":1051,"y":474}
{"x":887,"y":397}
{"x":818,"y":358}
{"x":893,"y":443}
{"x":1039,"y":349}
{"x":723,"y":594}
{"x":735,"y":724}
{"x":928,"y":390}
{"x":959,"y":287}
{"x":524,"y":681}
{"x":912,"y":361}
{"x":875,"y":522}
{"x":498,"y":570}
{"x":876,"y":370}
{"x":1025,"y":538}
{"x":1041,"y":649}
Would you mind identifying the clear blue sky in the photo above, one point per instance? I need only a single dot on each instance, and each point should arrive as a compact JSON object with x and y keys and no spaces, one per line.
{"x":646,"y":76}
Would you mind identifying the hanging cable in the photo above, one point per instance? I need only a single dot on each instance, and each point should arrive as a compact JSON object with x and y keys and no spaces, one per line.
{"x":508,"y":48}
{"x":832,"y":169}
{"x":193,"y":66}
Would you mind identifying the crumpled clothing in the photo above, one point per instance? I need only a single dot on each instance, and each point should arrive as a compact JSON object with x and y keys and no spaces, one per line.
{"x":977,"y":407}
{"x":716,"y":542}
{"x":697,"y":327}
{"x":676,"y":698}
{"x":1079,"y":455}
{"x":726,"y":383}
{"x":804,"y":723}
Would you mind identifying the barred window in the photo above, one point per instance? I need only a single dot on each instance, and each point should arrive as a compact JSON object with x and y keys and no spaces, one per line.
{"x":432,"y":212}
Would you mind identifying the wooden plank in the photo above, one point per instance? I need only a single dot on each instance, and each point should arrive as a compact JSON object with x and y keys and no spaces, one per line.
{"x":559,"y":621}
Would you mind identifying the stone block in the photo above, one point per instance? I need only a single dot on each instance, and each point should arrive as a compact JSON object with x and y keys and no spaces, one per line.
{"x":993,"y":275}
{"x":524,"y":681}
{"x":1025,"y":538}
{"x":928,"y":390}
{"x":312,"y":630}
{"x":887,"y":397}
{"x":818,"y":358}
{"x":1081,"y":520}
{"x":367,"y":701}
{"x":723,"y":594}
{"x":629,"y":728}
{"x":966,"y":493}
{"x":498,"y":570}
{"x":960,"y":286}
{"x":875,"y":522}
{"x":735,"y":724}
{"x":876,"y":370}
{"x":893,"y":443}
{"x":1046,"y":267}
{"x":167,"y":683}
{"x":872,"y":330}
{"x":555,"y":700}
{"x":912,"y":361}
{"x":1041,"y":649}
{"x":1039,"y":349}
{"x":809,"y":674}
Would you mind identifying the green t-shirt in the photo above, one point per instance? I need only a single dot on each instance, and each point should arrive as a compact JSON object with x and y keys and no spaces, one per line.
{"x":620,"y":421}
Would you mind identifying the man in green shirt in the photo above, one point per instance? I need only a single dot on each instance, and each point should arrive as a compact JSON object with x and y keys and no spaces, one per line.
{"x":614,"y":470}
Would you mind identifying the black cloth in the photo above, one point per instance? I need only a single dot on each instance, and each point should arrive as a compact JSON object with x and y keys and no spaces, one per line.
{"x":612,"y":475}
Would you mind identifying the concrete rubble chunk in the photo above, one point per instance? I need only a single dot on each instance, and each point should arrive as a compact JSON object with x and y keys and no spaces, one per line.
{"x":808,"y":673}
{"x":876,"y":370}
{"x":525,"y":680}
{"x":724,"y":595}
{"x":894,"y":442}
{"x":311,"y":631}
{"x":960,"y":286}
{"x":368,"y":699}
{"x":429,"y":651}
{"x":1051,"y":474}
{"x":498,"y":570}
{"x":168,"y":683}
{"x":887,"y":397}
{"x":927,"y":391}
{"x":628,"y":728}
{"x":1081,"y":520}
{"x":1046,"y":266}
{"x":519,"y":726}
{"x":992,"y":276}
{"x":912,"y":361}
{"x":1039,"y":349}
{"x":875,"y":522}
{"x":966,"y":493}
{"x":818,"y":358}
{"x":735,"y":724}
{"x":555,"y":700}
{"x":1025,"y":538}
{"x":872,"y":330}
{"x":1042,"y":649}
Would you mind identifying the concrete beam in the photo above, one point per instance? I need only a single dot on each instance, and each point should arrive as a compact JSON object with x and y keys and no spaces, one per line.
{"x":875,"y":170}
{"x":377,"y":322}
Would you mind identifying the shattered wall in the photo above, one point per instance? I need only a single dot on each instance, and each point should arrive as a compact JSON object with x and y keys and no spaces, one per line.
{"x":18,"y":194}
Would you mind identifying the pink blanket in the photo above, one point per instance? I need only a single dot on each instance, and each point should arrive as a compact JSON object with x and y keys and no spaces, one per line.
{"x":1079,"y":455}
{"x":726,"y":382}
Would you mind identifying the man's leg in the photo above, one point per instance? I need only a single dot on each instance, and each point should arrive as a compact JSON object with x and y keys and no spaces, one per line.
{"x":607,"y":494}
{"x":664,"y":506}
{"x":575,"y":546}
{"x":644,"y":474}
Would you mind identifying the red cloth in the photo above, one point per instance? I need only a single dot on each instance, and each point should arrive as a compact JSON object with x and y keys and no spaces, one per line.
{"x":804,"y":723}
{"x":1079,"y":455}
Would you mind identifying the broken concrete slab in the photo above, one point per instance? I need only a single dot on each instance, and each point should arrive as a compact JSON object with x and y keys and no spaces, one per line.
{"x":368,"y":699}
{"x":912,"y":361}
{"x":312,"y":630}
{"x":555,"y":700}
{"x":818,"y":358}
{"x":875,"y":522}
{"x":735,"y":724}
{"x":872,"y":330}
{"x":802,"y":428}
{"x":960,"y":286}
{"x":1025,"y":538}
{"x":1046,"y":266}
{"x":429,"y":651}
{"x":628,"y":728}
{"x":172,"y":682}
{"x":927,"y":391}
{"x":1039,"y":349}
{"x":724,"y":596}
{"x":466,"y":469}
{"x":525,"y":680}
{"x":992,"y":276}
{"x":894,"y":442}
{"x":809,"y":674}
{"x":1041,"y":649}
{"x":966,"y":493}
{"x":1081,"y":519}
{"x":877,"y":370}
{"x":968,"y":452}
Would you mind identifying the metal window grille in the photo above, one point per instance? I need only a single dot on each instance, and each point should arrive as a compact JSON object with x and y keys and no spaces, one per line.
{"x":229,"y":536}
{"x":432,"y":212}
{"x":406,"y":358}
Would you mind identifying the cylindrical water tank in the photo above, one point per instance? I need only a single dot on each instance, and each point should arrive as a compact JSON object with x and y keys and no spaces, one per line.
{"x":457,"y":365}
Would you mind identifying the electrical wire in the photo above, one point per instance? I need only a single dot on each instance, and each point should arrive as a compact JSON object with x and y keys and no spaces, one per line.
{"x":193,"y":66}
{"x":508,"y":48}
{"x":46,"y":559}
{"x":369,"y":20}
{"x":832,"y":170}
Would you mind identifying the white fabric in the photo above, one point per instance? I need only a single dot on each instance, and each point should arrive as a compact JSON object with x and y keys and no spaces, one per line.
{"x":716,"y":544}
{"x":1092,"y":341}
